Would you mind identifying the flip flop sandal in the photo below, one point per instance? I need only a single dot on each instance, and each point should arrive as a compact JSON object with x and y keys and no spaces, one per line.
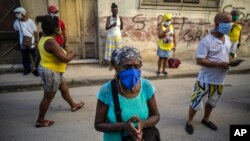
{"x":44,"y":124}
{"x":78,"y":106}
{"x":209,"y":124}
{"x":165,"y":73}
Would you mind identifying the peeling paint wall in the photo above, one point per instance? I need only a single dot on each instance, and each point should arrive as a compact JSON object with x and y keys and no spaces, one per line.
{"x":140,"y":27}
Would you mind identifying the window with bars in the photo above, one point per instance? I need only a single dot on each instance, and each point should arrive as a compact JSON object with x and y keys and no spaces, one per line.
{"x":211,"y":5}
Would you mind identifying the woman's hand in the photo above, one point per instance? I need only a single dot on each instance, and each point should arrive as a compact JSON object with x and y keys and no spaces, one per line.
{"x":135,"y":133}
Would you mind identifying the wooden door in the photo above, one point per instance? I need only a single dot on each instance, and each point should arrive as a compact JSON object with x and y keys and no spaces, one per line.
{"x":9,"y":39}
{"x":81,"y":25}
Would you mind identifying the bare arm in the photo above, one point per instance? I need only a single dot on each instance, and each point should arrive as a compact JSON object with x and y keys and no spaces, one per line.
{"x":174,"y":36}
{"x":154,"y":115}
{"x":100,"y":119}
{"x":108,"y":26}
{"x":207,"y":63}
{"x":36,"y":37}
{"x":161,"y":33}
{"x":121,"y":23}
{"x":38,"y":58}
{"x":54,"y":48}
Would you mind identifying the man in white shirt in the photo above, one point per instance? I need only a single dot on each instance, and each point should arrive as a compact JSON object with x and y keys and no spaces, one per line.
{"x":26,"y":27}
{"x":213,"y":56}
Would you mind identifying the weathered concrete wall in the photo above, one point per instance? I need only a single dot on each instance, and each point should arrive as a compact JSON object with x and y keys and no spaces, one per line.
{"x":140,"y":27}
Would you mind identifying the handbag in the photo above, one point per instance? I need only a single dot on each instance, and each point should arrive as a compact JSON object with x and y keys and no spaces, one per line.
{"x":149,"y":134}
{"x":27,"y":41}
{"x":173,"y":62}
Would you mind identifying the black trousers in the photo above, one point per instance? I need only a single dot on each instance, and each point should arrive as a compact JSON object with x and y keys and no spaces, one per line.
{"x":26,"y":59}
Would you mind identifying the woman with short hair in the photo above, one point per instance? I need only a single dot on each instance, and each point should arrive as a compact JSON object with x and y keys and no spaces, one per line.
{"x":51,"y":63}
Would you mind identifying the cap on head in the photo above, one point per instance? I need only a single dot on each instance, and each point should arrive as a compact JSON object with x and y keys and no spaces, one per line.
{"x":167,"y":16}
{"x":235,"y":12}
{"x":20,"y":10}
{"x":52,"y":9}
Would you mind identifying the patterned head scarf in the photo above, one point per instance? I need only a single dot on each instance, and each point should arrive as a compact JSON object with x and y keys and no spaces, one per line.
{"x":125,"y":52}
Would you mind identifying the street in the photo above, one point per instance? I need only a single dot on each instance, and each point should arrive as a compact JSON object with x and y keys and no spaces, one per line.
{"x":19,"y":110}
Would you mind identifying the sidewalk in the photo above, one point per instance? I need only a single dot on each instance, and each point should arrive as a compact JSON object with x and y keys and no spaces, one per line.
{"x":92,"y":74}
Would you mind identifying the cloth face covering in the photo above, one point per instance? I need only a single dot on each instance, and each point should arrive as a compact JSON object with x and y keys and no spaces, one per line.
{"x":129,"y":77}
{"x":224,"y":28}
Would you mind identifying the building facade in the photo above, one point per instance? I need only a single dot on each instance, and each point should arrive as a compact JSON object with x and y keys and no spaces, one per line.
{"x":85,"y":24}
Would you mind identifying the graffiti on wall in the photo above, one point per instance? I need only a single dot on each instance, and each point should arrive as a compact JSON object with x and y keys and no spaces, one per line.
{"x":193,"y":31}
{"x":143,"y":28}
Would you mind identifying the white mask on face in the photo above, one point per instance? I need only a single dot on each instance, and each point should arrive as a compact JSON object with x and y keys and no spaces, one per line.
{"x":167,"y":23}
{"x":54,"y":15}
{"x":19,"y":16}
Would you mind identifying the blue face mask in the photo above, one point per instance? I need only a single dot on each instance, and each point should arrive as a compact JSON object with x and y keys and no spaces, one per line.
{"x":224,"y":28}
{"x":129,"y":77}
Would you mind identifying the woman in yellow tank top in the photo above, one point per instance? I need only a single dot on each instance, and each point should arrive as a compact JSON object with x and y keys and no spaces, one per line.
{"x":166,"y":42}
{"x":51,"y":63}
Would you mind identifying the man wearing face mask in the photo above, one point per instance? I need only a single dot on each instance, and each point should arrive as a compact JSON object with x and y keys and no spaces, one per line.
{"x":213,"y":56}
{"x":61,"y":37}
{"x":166,"y":42}
{"x":26,"y":27}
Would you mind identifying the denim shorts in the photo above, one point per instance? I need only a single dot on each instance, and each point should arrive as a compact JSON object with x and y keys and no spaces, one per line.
{"x":163,"y":53}
{"x":51,"y":79}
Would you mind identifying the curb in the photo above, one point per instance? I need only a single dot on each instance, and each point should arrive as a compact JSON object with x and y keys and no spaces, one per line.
{"x":99,"y":81}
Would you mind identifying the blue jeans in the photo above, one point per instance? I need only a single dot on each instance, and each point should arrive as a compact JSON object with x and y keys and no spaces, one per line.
{"x":26,"y":60}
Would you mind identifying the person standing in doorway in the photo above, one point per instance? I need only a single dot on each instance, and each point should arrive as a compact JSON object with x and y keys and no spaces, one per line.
{"x":166,"y":42}
{"x":213,"y":56}
{"x":61,"y":36}
{"x":114,"y":25}
{"x":235,"y":33}
{"x":28,"y":38}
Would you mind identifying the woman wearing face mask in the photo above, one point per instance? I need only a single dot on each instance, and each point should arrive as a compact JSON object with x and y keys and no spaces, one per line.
{"x":61,"y":36}
{"x":166,"y":42}
{"x":135,"y":95}
{"x":26,"y":27}
{"x":114,"y":25}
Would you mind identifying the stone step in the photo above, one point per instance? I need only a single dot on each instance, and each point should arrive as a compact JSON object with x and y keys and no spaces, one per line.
{"x":12,"y":68}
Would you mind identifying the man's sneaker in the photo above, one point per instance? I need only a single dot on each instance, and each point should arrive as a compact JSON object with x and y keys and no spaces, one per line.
{"x":209,"y":124}
{"x":189,"y":129}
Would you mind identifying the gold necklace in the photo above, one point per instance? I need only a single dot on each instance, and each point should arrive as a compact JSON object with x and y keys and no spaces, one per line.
{"x":123,"y":91}
{"x":122,"y":88}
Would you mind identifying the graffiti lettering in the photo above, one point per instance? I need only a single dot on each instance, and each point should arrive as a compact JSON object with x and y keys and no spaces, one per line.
{"x":243,"y":16}
{"x":136,"y":19}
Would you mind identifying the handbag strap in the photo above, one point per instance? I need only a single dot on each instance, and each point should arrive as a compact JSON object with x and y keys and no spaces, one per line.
{"x":117,"y":108}
{"x":22,"y":29}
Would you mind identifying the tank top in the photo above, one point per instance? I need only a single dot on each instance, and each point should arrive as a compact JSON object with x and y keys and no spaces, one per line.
{"x":49,"y":60}
{"x":167,"y":42}
{"x":234,"y":34}
{"x":114,"y":31}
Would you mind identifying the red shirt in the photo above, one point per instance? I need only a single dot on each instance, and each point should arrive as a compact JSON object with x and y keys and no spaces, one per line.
{"x":59,"y":38}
